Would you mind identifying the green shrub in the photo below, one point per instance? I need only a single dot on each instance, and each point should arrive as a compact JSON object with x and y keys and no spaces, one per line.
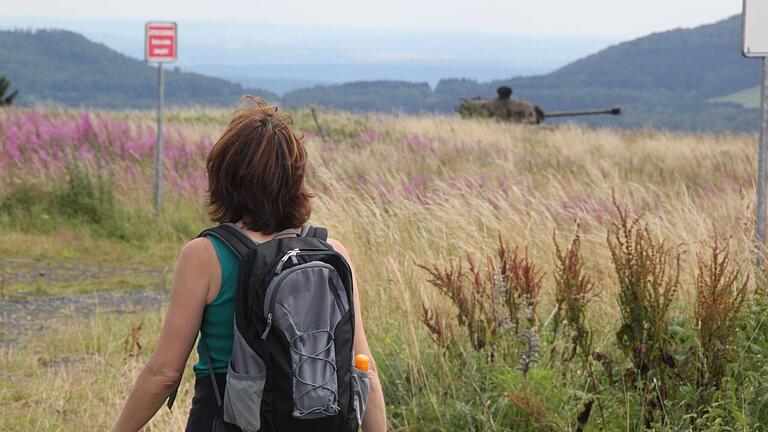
{"x":29,"y":207}
{"x":85,"y":201}
{"x":85,"y":197}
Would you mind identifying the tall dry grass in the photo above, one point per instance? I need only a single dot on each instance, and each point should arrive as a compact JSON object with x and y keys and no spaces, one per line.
{"x":462,"y":184}
{"x":404,"y":191}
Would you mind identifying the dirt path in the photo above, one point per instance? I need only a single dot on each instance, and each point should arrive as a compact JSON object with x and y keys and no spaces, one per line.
{"x":20,"y":314}
{"x":19,"y":270}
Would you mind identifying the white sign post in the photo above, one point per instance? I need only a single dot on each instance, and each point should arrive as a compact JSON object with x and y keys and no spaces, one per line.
{"x":755,"y":20}
{"x":160,"y":47}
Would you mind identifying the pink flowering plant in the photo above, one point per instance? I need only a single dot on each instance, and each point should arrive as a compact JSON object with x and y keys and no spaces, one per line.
{"x":80,"y":165}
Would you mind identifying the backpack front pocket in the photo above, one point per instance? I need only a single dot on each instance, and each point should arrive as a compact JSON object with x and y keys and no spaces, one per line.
{"x":306,"y":303}
{"x":242,"y":400}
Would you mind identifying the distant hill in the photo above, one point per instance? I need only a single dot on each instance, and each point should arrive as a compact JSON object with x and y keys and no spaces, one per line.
{"x":366,"y":96}
{"x":275,"y":85}
{"x":66,"y":68}
{"x":674,"y":79}
{"x":705,"y":61}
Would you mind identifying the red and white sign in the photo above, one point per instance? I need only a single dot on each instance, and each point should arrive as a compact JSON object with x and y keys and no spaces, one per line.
{"x":160,"y":42}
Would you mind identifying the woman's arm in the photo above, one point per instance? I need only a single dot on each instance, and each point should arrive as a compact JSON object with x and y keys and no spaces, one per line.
{"x":195,"y":271}
{"x":375,"y":419}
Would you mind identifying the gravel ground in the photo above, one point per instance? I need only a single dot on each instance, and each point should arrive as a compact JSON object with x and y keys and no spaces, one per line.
{"x":17,"y":270}
{"x":21,"y":314}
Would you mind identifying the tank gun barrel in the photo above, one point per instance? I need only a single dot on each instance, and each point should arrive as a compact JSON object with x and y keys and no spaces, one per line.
{"x":612,"y":111}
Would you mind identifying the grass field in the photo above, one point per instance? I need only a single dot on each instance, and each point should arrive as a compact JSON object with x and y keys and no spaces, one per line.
{"x":749,"y":98}
{"x":409,"y":194}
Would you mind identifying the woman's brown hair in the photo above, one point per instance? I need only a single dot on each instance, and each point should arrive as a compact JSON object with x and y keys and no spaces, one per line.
{"x":256,"y":170}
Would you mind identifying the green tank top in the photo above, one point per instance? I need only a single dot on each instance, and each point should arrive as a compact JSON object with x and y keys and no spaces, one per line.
{"x":217,"y":325}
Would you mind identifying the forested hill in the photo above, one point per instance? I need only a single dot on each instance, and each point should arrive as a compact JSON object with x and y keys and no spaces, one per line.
{"x":66,"y":68}
{"x":705,"y":61}
{"x":368,"y":96}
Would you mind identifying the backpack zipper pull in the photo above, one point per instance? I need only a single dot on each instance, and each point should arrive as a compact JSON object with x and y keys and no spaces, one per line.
{"x":269,"y":326}
{"x":290,"y":254}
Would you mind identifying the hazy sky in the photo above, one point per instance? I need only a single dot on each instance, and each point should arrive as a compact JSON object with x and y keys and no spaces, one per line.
{"x":605,"y":18}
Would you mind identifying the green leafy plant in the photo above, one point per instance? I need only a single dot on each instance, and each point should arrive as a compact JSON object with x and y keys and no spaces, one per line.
{"x":744,"y":393}
{"x":87,"y":196}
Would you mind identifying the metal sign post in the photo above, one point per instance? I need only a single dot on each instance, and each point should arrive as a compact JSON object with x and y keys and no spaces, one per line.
{"x":761,"y":160}
{"x":160,"y":47}
{"x":755,"y":44}
{"x":159,"y":150}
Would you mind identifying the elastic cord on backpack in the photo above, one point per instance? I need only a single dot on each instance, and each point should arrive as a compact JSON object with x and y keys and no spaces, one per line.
{"x":304,"y":357}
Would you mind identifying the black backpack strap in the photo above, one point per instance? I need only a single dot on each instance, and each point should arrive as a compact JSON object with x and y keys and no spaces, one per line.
{"x":233,"y":237}
{"x":314,"y":232}
{"x":204,"y":347}
{"x":172,"y":396}
{"x":210,"y":371}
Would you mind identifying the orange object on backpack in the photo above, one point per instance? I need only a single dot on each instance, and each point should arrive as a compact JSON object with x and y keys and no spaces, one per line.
{"x":361,"y":362}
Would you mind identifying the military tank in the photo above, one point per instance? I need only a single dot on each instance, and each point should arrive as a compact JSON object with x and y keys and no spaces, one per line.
{"x":507,"y":108}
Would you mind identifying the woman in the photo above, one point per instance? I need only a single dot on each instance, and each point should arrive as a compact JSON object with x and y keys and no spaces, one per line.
{"x":255,"y":180}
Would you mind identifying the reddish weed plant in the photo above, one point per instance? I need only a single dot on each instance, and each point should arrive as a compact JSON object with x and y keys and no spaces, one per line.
{"x":573,"y":291}
{"x":132,"y":345}
{"x":494,"y":303}
{"x":648,"y":276}
{"x":721,"y":291}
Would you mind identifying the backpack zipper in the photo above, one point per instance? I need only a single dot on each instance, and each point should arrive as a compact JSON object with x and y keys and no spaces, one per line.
{"x":269,"y":326}
{"x":292,"y":254}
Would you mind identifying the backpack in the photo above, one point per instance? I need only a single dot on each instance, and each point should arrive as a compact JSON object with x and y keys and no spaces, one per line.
{"x":292,"y":365}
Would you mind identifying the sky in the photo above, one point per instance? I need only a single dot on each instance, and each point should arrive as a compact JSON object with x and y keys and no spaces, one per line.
{"x":585,"y":18}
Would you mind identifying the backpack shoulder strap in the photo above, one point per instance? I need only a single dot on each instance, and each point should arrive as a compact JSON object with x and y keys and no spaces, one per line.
{"x":209,"y":363}
{"x":233,"y":237}
{"x":310,"y":231}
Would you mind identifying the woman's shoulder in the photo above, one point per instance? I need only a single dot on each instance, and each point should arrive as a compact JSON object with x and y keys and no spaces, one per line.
{"x":196,"y":269}
{"x":199,"y":251}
